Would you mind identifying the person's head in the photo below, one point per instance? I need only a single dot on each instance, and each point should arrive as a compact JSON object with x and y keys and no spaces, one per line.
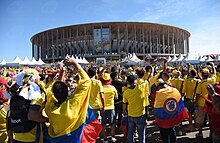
{"x":140,"y":73}
{"x":132,"y":79}
{"x":92,"y":72}
{"x":205,"y":73}
{"x":60,"y":91}
{"x":148,"y":69}
{"x":3,"y":84}
{"x":114,"y":75}
{"x":192,"y":73}
{"x":106,"y":79}
{"x":114,"y":69}
{"x":165,"y":76}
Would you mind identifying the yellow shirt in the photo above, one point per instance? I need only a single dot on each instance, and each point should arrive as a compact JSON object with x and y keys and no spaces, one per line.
{"x":31,"y":135}
{"x":147,"y":90}
{"x":135,"y":99}
{"x":146,"y":76}
{"x":71,"y":114}
{"x":3,"y":129}
{"x":189,"y":87}
{"x":110,"y":93}
{"x":177,"y":83}
{"x":217,"y":76}
{"x":202,"y":90}
{"x":97,"y":88}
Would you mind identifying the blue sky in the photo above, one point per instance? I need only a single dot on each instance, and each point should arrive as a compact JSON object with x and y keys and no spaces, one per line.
{"x":21,"y":19}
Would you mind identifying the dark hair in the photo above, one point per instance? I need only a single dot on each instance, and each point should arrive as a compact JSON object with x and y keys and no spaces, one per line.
{"x":193,"y":72}
{"x":131,"y":79}
{"x":140,"y":73}
{"x":60,"y":90}
{"x":166,"y":74}
{"x":91,"y":72}
{"x":218,"y":66}
{"x":113,"y":75}
{"x":147,"y":68}
{"x":114,"y":69}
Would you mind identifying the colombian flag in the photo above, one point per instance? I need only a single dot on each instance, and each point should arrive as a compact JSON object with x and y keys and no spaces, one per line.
{"x":169,"y":108}
{"x":86,"y":133}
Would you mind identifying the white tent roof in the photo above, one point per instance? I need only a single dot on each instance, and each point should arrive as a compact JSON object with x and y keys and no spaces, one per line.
{"x":33,"y":62}
{"x":173,"y":59}
{"x":217,"y":58}
{"x":202,"y":59}
{"x":3,"y":62}
{"x":168,"y":59}
{"x":84,"y":61}
{"x":16,"y":60}
{"x":134,"y":58}
{"x":209,"y":59}
{"x":190,"y":59}
{"x":26,"y":61}
{"x":180,"y":58}
{"x":40,"y":62}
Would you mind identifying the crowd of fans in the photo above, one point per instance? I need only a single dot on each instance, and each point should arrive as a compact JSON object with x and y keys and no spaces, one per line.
{"x":74,"y":103}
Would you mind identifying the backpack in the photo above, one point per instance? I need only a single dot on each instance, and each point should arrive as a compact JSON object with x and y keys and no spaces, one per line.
{"x":18,"y":121}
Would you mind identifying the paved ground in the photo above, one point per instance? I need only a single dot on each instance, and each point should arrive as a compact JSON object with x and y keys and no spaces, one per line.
{"x":182,"y":136}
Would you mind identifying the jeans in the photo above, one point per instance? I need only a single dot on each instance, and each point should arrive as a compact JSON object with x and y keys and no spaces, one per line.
{"x":168,"y":135}
{"x":140,"y":123}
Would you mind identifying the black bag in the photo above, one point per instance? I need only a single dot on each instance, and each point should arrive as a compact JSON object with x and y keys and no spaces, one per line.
{"x":18,"y":121}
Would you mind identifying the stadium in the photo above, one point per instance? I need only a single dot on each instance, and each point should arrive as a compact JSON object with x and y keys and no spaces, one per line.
{"x":110,"y":40}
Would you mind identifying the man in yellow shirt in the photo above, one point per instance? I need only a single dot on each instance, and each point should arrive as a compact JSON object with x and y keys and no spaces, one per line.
{"x":96,"y":100}
{"x":108,"y":116}
{"x":70,"y":116}
{"x":189,"y":91}
{"x":134,"y":107}
{"x":201,"y":96}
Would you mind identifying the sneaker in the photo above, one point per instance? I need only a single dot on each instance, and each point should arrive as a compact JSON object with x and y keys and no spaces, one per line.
{"x":113,"y":139}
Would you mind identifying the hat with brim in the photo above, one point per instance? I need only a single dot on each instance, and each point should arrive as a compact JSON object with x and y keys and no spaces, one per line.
{"x":106,"y":78}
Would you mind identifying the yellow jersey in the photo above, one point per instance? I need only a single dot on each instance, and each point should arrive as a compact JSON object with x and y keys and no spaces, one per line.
{"x":97,"y":88}
{"x":189,"y":87}
{"x":3,"y":129}
{"x":110,"y":93}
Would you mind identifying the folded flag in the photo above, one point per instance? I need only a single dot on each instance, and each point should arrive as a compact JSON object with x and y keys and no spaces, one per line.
{"x":169,"y":108}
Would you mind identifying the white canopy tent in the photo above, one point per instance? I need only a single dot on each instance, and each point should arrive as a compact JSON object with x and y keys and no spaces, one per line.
{"x":209,"y":59}
{"x":217,"y":58}
{"x":16,"y":62}
{"x":131,"y":59}
{"x":3,"y":62}
{"x":174,"y":58}
{"x":180,"y":58}
{"x":33,"y":62}
{"x":25,"y":61}
{"x":40,"y":62}
{"x":189,"y":59}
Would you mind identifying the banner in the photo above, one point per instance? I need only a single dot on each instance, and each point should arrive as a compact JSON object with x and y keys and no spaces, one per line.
{"x":102,"y":40}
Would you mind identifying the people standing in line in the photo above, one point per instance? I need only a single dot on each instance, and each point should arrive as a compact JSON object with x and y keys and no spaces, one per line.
{"x":134,"y":106}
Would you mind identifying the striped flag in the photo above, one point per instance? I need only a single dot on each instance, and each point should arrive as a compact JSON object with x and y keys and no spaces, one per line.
{"x":169,"y":108}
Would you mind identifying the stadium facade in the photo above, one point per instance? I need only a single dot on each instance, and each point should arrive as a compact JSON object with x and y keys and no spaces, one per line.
{"x":110,"y":40}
